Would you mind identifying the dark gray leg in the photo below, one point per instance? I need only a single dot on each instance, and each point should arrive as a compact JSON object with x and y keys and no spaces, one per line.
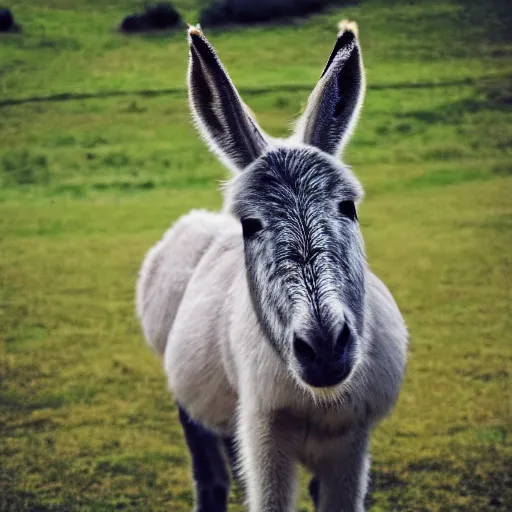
{"x":209,"y":465}
{"x":314,"y":487}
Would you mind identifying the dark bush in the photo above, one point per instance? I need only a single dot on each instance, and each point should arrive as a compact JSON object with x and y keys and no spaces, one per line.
{"x":222,"y":12}
{"x":161,"y":16}
{"x":133,"y":23}
{"x":7,"y":23}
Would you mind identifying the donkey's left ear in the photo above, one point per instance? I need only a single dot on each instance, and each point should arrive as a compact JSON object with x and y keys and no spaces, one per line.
{"x":334,"y":105}
{"x":222,"y":118}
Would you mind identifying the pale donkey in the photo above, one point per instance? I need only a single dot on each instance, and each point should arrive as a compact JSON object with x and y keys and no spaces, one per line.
{"x":278,"y":342}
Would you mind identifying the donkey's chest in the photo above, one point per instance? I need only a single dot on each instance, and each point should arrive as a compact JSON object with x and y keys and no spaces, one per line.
{"x":314,"y":432}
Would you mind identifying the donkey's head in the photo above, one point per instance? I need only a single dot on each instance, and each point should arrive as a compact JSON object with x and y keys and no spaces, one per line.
{"x":296,"y":202}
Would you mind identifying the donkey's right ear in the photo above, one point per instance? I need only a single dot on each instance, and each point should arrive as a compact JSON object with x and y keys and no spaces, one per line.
{"x":335,"y":103}
{"x":222,"y":118}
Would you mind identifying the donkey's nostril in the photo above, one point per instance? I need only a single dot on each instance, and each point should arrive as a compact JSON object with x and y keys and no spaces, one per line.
{"x":344,"y":337}
{"x":303,"y":351}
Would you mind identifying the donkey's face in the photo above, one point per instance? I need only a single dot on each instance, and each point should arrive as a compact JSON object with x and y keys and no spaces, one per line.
{"x":305,"y":259}
{"x":296,"y":203}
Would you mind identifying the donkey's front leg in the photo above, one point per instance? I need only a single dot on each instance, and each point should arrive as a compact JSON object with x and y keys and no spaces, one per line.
{"x":209,"y":466}
{"x":343,"y":475}
{"x":268,"y":468}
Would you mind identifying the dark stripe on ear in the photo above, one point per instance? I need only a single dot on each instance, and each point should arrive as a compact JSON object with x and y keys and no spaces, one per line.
{"x":205,"y":51}
{"x":348,"y":86}
{"x":204,"y":104}
{"x":344,"y":40}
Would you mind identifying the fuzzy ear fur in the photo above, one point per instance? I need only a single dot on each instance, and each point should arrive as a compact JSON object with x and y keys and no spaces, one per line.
{"x":222,"y":118}
{"x":335,"y":103}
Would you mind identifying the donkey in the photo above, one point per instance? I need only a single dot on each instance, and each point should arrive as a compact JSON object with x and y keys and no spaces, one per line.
{"x":280,"y":345}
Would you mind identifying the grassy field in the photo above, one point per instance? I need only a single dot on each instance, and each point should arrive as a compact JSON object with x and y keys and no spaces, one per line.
{"x":98,"y":156}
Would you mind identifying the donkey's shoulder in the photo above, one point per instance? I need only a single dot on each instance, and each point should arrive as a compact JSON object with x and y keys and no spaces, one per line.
{"x":385,"y":316}
{"x":168,"y":268}
{"x":192,"y":234}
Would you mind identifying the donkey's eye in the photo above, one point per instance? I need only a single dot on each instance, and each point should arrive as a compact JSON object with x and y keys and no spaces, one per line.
{"x":250,"y":227}
{"x":348,"y":209}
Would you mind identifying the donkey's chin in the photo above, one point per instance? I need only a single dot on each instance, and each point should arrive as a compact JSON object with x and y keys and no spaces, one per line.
{"x":322,"y":388}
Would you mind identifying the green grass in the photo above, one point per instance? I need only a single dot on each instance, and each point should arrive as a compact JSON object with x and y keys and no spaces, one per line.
{"x":98,"y":157}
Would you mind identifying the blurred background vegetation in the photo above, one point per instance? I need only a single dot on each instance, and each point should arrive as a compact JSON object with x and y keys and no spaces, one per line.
{"x":98,"y":156}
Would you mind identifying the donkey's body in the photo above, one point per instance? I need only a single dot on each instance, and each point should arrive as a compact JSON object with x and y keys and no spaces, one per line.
{"x":215,"y":346}
{"x":246,"y":337}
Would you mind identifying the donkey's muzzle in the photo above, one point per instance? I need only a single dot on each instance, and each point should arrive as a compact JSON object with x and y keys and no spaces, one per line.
{"x":325,"y":362}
